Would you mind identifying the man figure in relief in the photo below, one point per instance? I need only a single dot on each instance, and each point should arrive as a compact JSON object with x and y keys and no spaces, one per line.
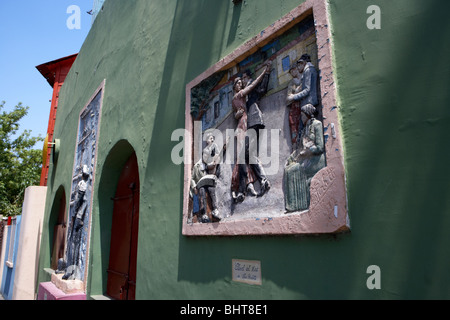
{"x":80,"y":202}
{"x":308,"y":91}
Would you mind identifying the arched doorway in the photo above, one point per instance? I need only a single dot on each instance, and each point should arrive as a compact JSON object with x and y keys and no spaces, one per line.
{"x":121,"y":281}
{"x":58,"y":223}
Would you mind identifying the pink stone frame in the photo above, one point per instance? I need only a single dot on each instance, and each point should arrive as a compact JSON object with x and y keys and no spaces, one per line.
{"x":101,"y":88}
{"x":328,"y":207}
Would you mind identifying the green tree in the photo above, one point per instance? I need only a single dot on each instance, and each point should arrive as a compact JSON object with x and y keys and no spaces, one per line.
{"x":20,"y":164}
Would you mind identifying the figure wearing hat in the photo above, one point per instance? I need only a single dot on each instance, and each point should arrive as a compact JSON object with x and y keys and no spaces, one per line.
{"x":294,"y":106}
{"x":255,"y":121}
{"x":308,"y":91}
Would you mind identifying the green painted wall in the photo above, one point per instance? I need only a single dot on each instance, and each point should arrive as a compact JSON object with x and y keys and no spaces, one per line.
{"x":394,"y":107}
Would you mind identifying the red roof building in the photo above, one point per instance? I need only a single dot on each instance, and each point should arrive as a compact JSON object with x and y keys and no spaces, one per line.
{"x":55,"y":72}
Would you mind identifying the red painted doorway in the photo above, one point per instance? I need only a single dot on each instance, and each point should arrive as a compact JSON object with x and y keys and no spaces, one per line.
{"x":59,"y":232}
{"x":121,"y":283}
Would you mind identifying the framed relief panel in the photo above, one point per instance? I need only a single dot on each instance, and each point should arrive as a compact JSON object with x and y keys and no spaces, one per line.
{"x":81,"y":196}
{"x":263,"y":152}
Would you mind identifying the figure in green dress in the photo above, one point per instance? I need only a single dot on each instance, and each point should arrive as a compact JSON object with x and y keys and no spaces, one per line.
{"x":304,"y":162}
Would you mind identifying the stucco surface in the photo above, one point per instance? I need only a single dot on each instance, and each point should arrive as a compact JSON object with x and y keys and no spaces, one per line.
{"x":392,"y":97}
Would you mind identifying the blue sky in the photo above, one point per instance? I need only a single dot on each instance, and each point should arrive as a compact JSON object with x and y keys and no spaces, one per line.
{"x":31,"y":33}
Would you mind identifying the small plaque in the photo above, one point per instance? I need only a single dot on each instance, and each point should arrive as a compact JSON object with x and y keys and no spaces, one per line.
{"x":247,"y":271}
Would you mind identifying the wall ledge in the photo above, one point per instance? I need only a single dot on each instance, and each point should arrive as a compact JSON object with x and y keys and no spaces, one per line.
{"x":100,"y":297}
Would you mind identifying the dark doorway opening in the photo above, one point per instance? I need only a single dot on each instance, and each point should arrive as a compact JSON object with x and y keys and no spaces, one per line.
{"x":121,"y":283}
{"x":59,"y":229}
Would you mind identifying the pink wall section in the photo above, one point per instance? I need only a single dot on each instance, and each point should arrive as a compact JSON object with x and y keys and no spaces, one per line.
{"x":48,"y":291}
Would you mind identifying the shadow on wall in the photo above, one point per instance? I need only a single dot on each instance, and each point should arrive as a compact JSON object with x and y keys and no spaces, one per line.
{"x":395,"y":115}
{"x":112,"y":168}
{"x":192,"y":47}
{"x":394,"y":106}
{"x":207,"y":260}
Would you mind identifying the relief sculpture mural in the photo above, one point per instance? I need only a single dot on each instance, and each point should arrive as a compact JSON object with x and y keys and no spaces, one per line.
{"x":264,"y":137}
{"x":74,"y":265}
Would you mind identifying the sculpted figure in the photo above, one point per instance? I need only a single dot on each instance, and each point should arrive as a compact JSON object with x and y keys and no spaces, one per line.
{"x":204,"y":179}
{"x":304,"y":162}
{"x":80,"y":202}
{"x":255,"y":121}
{"x":294,"y":106}
{"x":242,"y":175}
{"x":307,"y":92}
